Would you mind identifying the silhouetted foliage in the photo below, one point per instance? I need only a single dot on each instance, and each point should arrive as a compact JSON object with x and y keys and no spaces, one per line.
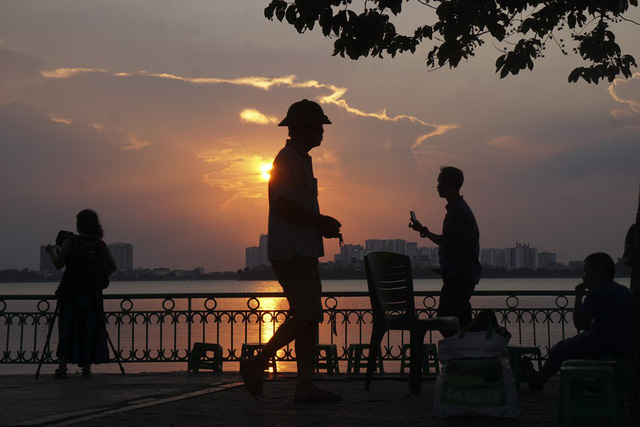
{"x":458,"y":27}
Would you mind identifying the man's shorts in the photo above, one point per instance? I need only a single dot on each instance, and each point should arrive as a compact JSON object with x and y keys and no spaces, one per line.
{"x":300,"y":281}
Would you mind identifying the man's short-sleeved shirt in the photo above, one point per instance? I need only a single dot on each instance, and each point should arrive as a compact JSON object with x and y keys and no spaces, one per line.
{"x":292,"y":179}
{"x":459,"y":250}
{"x":611,"y":306}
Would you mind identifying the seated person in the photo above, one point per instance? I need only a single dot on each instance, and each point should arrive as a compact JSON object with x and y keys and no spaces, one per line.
{"x":605,"y":318}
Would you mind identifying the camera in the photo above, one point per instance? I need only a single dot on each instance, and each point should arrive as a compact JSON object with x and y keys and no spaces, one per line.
{"x":62,"y":235}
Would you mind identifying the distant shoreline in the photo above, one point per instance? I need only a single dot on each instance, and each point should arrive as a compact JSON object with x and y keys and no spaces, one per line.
{"x":328,"y":271}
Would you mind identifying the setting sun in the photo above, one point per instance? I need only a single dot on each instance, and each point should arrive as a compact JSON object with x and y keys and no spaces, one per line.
{"x":265,"y":168}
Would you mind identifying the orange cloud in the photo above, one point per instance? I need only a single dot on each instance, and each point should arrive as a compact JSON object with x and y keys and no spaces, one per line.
{"x":135,"y":144}
{"x":251,"y":115}
{"x":236,"y":170}
{"x":61,"y":120}
{"x":335,"y":96}
{"x":439,"y":130}
{"x":66,"y":73}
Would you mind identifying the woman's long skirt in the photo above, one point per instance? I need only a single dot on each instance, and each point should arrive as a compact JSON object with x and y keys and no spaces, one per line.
{"x":82,"y":330}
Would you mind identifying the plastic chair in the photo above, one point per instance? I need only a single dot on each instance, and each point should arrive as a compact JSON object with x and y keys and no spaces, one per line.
{"x":391,"y":291}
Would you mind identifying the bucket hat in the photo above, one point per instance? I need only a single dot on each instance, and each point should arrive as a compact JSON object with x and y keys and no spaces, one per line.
{"x":305,"y":113}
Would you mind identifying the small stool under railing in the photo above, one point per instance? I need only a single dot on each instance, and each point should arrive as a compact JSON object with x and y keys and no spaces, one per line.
{"x":357,"y":359}
{"x":198,"y":358}
{"x":516,"y":351}
{"x":328,"y":360}
{"x":429,"y":359}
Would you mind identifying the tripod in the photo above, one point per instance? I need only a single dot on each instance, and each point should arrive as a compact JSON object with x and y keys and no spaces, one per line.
{"x":46,"y":344}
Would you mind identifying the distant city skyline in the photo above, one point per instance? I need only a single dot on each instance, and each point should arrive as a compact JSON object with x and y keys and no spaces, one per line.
{"x":521,"y":255}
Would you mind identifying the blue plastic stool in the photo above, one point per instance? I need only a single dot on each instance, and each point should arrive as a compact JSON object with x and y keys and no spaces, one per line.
{"x":516,"y":351}
{"x":429,"y":359}
{"x":198,"y":357}
{"x":589,"y":390}
{"x":329,"y":360}
{"x":357,"y":359}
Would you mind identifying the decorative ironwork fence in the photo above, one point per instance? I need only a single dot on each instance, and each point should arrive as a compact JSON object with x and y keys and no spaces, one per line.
{"x":147,"y":328}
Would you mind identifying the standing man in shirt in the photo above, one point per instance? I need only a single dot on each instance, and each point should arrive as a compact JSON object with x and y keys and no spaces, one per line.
{"x":296,"y":229}
{"x":459,"y":249}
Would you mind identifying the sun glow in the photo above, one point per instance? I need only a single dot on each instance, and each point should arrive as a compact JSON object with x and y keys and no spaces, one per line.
{"x":265,"y":168}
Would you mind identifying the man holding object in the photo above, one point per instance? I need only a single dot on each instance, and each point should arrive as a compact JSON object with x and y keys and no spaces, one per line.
{"x":296,"y":229}
{"x":459,"y":249}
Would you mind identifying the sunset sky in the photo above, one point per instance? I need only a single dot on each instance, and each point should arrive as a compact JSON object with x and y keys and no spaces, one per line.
{"x":161,"y":115}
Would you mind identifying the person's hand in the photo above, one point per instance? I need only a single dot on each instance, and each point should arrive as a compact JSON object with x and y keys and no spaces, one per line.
{"x":330,"y":227}
{"x":581,"y":289}
{"x":48,"y":249}
{"x":417,"y":226}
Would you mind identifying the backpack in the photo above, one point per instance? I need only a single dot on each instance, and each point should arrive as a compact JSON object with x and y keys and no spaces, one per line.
{"x":90,"y":264}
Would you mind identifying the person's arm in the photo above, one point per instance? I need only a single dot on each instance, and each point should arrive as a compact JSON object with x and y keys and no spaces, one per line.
{"x":110,"y":259}
{"x":291,"y":211}
{"x":424,"y":232}
{"x":581,"y":320}
{"x":627,"y":255}
{"x":59,"y":259}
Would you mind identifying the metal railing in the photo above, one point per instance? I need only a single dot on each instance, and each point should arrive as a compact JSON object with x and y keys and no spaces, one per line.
{"x":148,"y":328}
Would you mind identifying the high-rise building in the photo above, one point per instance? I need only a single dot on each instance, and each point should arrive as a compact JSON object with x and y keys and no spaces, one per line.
{"x":256,"y":256}
{"x":495,"y":257}
{"x":547,"y":260}
{"x":399,"y":246}
{"x":412,"y":250}
{"x":264,"y":252}
{"x":428,"y":257}
{"x":123,"y":255}
{"x":375,"y":245}
{"x":523,"y":256}
{"x":349,"y":254}
{"x":252,"y":257}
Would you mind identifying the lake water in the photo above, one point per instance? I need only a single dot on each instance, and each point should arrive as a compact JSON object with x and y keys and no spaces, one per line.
{"x":235,"y":286}
{"x":171,"y":289}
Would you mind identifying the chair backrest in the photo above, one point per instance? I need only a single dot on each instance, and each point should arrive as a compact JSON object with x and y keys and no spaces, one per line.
{"x":390,"y":285}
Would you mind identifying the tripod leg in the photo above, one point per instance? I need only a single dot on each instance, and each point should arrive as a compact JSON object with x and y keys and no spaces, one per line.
{"x":115,"y":354}
{"x":46,"y":344}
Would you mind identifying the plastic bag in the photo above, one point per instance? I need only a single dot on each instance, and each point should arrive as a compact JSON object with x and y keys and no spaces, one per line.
{"x":476,"y":379}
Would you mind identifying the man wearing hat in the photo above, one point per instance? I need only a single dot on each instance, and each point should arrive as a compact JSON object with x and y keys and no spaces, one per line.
{"x":296,"y":229}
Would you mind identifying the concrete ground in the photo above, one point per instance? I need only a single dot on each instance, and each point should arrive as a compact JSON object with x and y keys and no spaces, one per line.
{"x":219,"y":399}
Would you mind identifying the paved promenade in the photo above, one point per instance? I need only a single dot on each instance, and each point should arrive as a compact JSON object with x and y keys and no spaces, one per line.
{"x":208,"y":399}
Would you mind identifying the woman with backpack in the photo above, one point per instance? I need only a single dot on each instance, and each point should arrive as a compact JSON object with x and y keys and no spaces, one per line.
{"x":81,"y":325}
